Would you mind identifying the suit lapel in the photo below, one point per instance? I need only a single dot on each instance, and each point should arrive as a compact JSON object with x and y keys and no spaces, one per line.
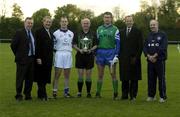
{"x":25,"y":35}
{"x":46,"y":33}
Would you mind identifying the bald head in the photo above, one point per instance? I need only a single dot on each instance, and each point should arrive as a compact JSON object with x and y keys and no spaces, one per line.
{"x":85,"y":23}
{"x":154,"y":25}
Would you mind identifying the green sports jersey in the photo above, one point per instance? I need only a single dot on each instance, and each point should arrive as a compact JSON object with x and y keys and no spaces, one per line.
{"x":106,"y":36}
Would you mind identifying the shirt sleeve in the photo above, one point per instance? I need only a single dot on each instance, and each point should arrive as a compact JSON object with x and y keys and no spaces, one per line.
{"x":95,"y":41}
{"x":117,"y":38}
{"x":162,"y":50}
{"x":55,"y":40}
{"x":15,"y":42}
{"x":145,"y":47}
{"x":75,"y":39}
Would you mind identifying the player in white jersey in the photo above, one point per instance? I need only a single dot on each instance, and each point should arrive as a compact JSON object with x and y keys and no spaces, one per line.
{"x":63,"y":55}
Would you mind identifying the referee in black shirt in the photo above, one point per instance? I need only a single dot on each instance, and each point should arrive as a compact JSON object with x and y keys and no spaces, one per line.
{"x":85,"y":42}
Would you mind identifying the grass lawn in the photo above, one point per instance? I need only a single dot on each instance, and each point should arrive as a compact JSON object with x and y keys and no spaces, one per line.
{"x":83,"y":107}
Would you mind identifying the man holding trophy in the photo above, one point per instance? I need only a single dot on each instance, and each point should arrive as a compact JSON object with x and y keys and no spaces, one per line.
{"x":85,"y":43}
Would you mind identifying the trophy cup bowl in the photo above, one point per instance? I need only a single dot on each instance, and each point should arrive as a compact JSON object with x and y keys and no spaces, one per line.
{"x":85,"y":42}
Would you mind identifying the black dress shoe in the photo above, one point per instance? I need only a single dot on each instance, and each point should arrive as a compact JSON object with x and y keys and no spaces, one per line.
{"x":124,"y":98}
{"x":28,"y":98}
{"x":19,"y":97}
{"x":88,"y":95}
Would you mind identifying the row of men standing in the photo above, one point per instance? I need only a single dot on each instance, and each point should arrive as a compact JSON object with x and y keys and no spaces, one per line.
{"x":107,"y":48}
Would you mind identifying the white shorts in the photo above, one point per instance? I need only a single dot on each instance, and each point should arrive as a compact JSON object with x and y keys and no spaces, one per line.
{"x":63,"y":59}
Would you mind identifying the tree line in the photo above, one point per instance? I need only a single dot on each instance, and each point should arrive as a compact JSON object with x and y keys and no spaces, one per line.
{"x":166,"y":13}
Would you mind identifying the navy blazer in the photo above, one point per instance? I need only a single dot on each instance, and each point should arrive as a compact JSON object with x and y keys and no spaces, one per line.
{"x":20,"y":46}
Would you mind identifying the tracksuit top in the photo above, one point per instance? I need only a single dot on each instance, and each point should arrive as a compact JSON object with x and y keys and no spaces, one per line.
{"x":156,"y":43}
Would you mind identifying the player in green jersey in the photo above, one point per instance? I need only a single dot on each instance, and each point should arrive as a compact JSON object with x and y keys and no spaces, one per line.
{"x":107,"y":52}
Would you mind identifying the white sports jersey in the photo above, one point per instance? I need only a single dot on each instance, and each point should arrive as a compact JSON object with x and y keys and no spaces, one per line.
{"x":63,"y":40}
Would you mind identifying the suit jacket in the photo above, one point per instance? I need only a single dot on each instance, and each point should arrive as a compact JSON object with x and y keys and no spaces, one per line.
{"x":130,"y":47}
{"x":20,"y":46}
{"x":44,"y":51}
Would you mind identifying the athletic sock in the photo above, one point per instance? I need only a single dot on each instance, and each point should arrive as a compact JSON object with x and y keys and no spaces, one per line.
{"x":66,"y":90}
{"x":115,"y":86}
{"x":88,"y":85}
{"x":99,"y":86}
{"x":80,"y":84}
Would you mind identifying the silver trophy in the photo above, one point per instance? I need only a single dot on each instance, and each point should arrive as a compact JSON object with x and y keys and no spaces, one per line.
{"x":85,"y":43}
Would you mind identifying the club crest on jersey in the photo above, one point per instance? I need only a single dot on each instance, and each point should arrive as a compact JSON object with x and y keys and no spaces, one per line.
{"x":69,"y":35}
{"x":158,"y":38}
{"x":157,"y":44}
{"x":153,"y":40}
{"x":101,"y":31}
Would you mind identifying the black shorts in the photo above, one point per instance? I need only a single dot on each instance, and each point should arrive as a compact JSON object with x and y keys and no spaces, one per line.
{"x":84,"y":61}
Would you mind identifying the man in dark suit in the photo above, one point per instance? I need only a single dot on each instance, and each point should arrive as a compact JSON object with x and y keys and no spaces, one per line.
{"x":44,"y":57}
{"x":23,"y":47}
{"x":130,"y":59}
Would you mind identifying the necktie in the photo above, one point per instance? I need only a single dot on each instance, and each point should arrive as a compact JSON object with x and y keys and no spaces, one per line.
{"x":48,"y":33}
{"x":128,"y":30}
{"x":30,"y":43}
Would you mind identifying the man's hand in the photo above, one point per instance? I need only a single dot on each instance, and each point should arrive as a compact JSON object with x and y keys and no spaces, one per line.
{"x":39,"y":61}
{"x":152,"y":58}
{"x":115,"y":59}
{"x":81,"y":51}
{"x":89,"y":51}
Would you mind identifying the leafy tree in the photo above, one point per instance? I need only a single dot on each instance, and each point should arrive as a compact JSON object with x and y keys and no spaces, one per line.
{"x":8,"y":26}
{"x":17,"y":13}
{"x":38,"y":17}
{"x":118,"y":13}
{"x":74,"y":15}
{"x":168,"y":14}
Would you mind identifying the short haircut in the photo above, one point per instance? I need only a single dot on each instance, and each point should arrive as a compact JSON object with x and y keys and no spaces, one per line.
{"x":128,"y":16}
{"x":108,"y":13}
{"x":85,"y":18}
{"x":28,"y":18}
{"x":154,"y":21}
{"x":63,"y":17}
{"x":46,"y":17}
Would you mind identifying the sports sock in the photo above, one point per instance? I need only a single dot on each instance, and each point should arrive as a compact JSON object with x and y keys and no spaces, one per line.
{"x":80,"y":84}
{"x":66,"y":90}
{"x":99,"y":86}
{"x":88,"y":85}
{"x":115,"y":86}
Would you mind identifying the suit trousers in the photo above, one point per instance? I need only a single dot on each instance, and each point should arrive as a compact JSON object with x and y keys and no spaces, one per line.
{"x":129,"y":87}
{"x":24,"y":75}
{"x":41,"y":90}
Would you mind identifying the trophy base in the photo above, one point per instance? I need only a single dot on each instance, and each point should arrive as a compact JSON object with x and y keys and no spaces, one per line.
{"x":85,"y":50}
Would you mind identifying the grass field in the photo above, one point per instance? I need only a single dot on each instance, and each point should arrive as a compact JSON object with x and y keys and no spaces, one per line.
{"x":83,"y":107}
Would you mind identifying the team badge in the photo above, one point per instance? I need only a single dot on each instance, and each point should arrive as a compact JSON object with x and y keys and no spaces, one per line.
{"x":157,"y":44}
{"x":158,"y":38}
{"x":69,"y":35}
